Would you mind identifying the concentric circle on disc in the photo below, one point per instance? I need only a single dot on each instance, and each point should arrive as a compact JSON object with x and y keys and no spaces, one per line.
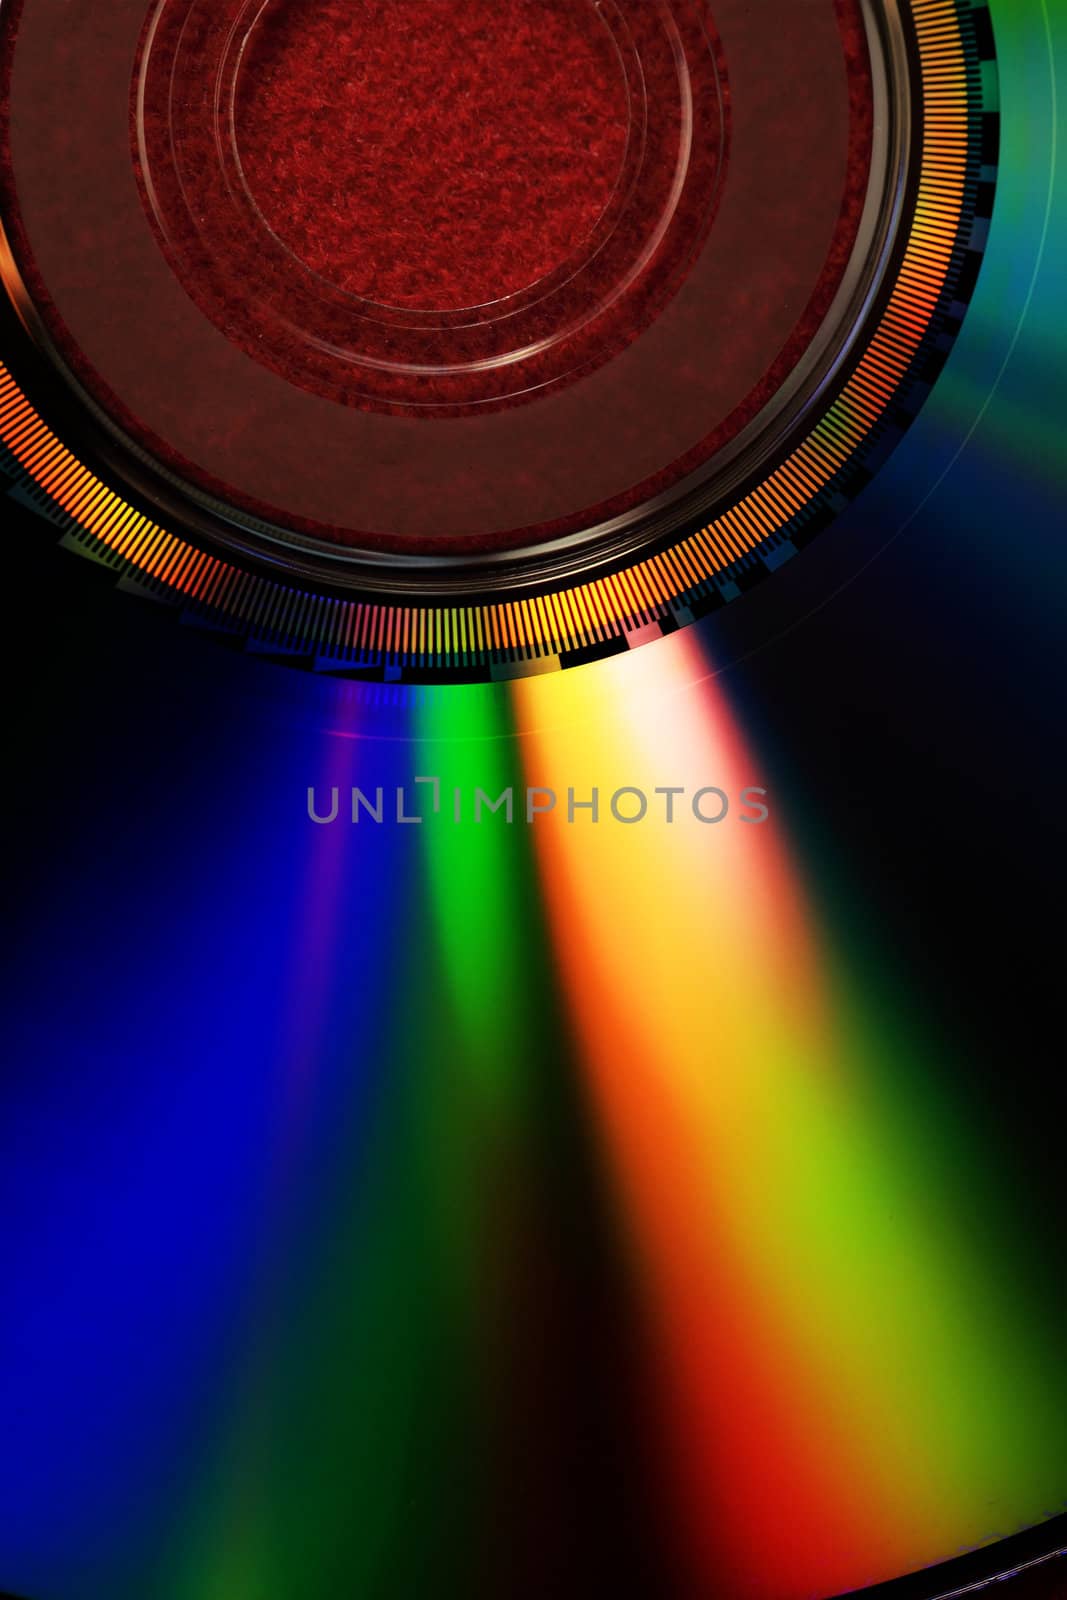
{"x":485,"y":331}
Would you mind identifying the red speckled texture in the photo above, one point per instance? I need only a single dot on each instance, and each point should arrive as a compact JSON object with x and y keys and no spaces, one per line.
{"x":203,"y":343}
{"x":576,"y":285}
{"x":439,"y":156}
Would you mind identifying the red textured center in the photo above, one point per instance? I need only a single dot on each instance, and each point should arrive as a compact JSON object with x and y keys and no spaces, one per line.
{"x":668,"y":194}
{"x":431,"y":153}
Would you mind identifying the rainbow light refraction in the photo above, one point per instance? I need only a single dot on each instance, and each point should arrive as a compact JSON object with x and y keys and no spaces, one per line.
{"x":493,"y":1208}
{"x":844,"y":1381}
{"x":504,"y":1211}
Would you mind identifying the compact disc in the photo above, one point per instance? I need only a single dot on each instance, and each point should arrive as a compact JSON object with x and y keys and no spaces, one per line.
{"x":464,"y":341}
